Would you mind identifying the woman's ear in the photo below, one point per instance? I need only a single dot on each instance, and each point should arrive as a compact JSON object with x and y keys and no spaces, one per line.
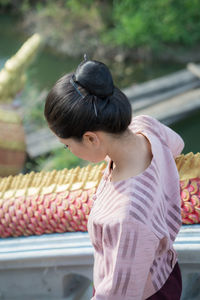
{"x":91,"y":138}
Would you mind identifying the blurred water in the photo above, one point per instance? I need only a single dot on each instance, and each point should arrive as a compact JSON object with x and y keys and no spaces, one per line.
{"x":47,"y":67}
{"x":189,"y":129}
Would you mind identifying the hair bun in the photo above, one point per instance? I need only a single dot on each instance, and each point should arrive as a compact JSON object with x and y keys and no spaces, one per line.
{"x":95,"y":77}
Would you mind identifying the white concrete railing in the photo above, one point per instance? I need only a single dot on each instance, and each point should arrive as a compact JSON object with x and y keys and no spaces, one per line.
{"x":59,"y":266}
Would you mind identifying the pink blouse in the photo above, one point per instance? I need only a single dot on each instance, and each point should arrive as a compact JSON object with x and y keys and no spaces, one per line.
{"x":133,"y":223}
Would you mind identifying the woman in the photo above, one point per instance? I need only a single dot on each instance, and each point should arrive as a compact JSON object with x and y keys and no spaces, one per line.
{"x":136,"y":213}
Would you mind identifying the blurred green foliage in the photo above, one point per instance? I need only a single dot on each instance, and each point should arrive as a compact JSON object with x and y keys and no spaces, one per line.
{"x":32,"y":103}
{"x":20,"y":6}
{"x":129,"y":23}
{"x":156,"y":22}
{"x":57,"y":160}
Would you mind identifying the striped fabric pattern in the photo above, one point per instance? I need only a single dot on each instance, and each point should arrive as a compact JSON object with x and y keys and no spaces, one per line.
{"x":133,"y":223}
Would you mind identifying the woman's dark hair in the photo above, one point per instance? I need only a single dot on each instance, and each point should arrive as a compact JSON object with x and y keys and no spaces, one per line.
{"x":87,"y":100}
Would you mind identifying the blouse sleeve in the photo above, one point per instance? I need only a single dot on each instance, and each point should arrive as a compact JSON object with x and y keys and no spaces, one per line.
{"x":172,"y":139}
{"x":165,"y":133}
{"x":128,"y":250}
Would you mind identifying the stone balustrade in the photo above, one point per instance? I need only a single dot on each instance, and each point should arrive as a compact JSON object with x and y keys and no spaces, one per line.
{"x":59,"y":266}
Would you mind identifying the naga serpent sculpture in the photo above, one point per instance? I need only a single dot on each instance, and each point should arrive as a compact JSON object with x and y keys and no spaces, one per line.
{"x":60,"y":201}
{"x":12,"y":81}
{"x":12,"y":76}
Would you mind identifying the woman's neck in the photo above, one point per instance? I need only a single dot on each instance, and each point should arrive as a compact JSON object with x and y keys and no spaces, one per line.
{"x":130,"y":156}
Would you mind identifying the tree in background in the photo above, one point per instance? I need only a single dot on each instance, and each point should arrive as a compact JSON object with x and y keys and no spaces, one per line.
{"x":155,"y":23}
{"x":94,"y":25}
